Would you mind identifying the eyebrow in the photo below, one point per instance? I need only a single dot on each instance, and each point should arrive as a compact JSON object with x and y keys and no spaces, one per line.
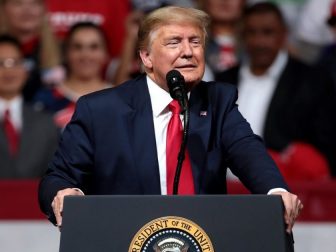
{"x":172,"y":37}
{"x":178,"y":37}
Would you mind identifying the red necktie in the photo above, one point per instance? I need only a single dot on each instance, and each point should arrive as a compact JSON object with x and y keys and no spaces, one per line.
{"x":11,"y":134}
{"x":174,"y":140}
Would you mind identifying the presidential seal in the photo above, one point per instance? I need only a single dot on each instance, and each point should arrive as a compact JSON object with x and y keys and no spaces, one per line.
{"x":171,"y":234}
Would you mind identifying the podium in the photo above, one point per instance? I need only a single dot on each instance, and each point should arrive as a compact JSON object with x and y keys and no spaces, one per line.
{"x":220,"y":223}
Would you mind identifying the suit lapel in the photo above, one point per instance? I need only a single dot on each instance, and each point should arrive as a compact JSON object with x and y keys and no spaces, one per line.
{"x":199,"y":131}
{"x":3,"y":142}
{"x":276,"y":106}
{"x":26,"y":140}
{"x":19,"y":164}
{"x":141,"y":129}
{"x":6,"y":163}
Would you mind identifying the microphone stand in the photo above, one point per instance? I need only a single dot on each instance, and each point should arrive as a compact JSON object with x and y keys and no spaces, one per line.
{"x":181,"y":155}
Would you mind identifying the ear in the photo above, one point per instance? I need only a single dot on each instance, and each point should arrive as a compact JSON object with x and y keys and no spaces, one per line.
{"x":146,"y":59}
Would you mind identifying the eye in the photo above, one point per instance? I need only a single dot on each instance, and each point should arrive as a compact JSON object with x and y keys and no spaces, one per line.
{"x":95,"y":46}
{"x":11,"y":63}
{"x":196,"y":41}
{"x":173,"y":42}
{"x":76,"y":46}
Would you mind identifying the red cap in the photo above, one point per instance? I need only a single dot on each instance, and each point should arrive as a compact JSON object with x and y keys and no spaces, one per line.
{"x":301,"y":161}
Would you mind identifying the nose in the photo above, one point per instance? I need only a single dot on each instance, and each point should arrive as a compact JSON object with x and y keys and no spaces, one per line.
{"x":187,"y":50}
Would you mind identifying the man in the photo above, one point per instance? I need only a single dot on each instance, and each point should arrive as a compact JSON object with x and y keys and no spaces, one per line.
{"x":222,"y":50}
{"x":285,"y":101}
{"x":64,"y":14}
{"x":28,"y":138}
{"x":116,"y":141}
{"x":327,"y":64}
{"x":328,"y":56}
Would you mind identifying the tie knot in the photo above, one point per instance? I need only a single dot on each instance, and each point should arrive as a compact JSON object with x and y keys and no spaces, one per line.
{"x":174,"y":107}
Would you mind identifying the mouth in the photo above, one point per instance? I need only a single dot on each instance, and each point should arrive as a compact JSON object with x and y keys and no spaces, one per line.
{"x":86,"y":63}
{"x":186,"y":67}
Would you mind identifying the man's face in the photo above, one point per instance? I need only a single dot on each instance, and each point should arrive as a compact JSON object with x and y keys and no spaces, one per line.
{"x":12,"y":71}
{"x":224,"y":10}
{"x":175,"y":46}
{"x":264,"y":36}
{"x":24,"y":15}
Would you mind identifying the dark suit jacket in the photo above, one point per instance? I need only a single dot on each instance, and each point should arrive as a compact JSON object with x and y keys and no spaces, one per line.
{"x":38,"y":142}
{"x":109,"y":146}
{"x":300,"y":109}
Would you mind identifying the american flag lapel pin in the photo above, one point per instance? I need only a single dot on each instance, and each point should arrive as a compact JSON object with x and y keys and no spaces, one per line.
{"x":203,"y":113}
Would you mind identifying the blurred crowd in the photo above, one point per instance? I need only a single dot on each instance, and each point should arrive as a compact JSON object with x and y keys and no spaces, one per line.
{"x":281,"y":55}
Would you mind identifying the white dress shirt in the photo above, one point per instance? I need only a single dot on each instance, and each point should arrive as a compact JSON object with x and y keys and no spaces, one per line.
{"x":15,"y":111}
{"x":160,"y":100}
{"x":256,"y":92}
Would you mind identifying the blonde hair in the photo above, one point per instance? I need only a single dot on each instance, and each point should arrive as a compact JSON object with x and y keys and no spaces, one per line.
{"x":170,"y":15}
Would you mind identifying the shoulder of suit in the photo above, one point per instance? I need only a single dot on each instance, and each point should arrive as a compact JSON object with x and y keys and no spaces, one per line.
{"x":301,"y":70}
{"x":124,"y":96}
{"x":215,"y":91}
{"x":298,"y":64}
{"x":125,"y":89}
{"x":217,"y":86}
{"x":37,"y":116}
{"x":230,"y":75}
{"x":32,"y":110}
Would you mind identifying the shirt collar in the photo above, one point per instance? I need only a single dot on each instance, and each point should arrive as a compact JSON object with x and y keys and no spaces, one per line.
{"x":160,"y":98}
{"x":14,"y":105}
{"x":273,"y":71}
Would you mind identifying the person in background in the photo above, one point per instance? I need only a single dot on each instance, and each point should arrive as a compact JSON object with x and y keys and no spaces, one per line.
{"x":147,"y":6}
{"x":304,"y":30}
{"x":85,"y":52}
{"x":128,"y":65}
{"x":28,"y":138}
{"x":327,"y":64}
{"x":286,"y":102}
{"x":124,"y":140}
{"x":109,"y":15}
{"x":26,"y":20}
{"x":327,"y":59}
{"x":222,"y":50}
{"x":311,"y":34}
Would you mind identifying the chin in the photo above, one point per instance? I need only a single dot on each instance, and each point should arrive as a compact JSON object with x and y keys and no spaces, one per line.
{"x":192,"y":78}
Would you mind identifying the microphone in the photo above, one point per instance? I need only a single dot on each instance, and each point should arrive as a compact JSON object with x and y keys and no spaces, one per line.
{"x":176,"y":86}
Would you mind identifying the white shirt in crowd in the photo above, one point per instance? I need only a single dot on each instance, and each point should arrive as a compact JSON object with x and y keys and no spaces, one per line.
{"x":256,"y":92}
{"x":15,"y":111}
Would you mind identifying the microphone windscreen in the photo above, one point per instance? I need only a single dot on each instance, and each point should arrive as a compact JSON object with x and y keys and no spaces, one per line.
{"x":175,"y":82}
{"x":172,"y":74}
